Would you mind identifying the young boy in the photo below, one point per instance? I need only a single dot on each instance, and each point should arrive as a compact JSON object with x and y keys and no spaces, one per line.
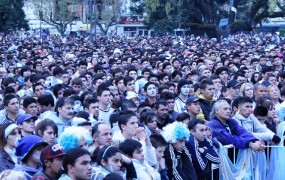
{"x":133,"y":149}
{"x":159,"y":143}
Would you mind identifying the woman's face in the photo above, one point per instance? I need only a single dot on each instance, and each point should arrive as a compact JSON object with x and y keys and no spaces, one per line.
{"x":248,"y":91}
{"x":113,"y":163}
{"x":273,"y":93}
{"x":49,"y":135}
{"x":271,"y":113}
{"x":12,"y":138}
{"x":256,"y":77}
{"x":152,"y":125}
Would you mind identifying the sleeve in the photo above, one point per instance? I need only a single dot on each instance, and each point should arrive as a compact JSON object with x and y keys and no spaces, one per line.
{"x":152,"y":172}
{"x":211,"y":152}
{"x":141,"y":172}
{"x":261,"y":131}
{"x":131,"y":171}
{"x":163,"y":174}
{"x":149,"y":153}
{"x":241,"y":140}
{"x":199,"y":161}
{"x":174,"y":171}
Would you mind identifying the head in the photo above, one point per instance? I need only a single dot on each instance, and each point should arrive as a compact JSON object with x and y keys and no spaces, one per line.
{"x":159,"y":143}
{"x":246,"y":90}
{"x":47,"y":130}
{"x":193,"y":106}
{"x":259,"y":90}
{"x":151,"y":89}
{"x":245,"y":106}
{"x":26,"y":122}
{"x":9,"y":135}
{"x":30,"y":105}
{"x":197,"y":129}
{"x":207,"y":89}
{"x":91,"y":106}
{"x":128,"y":123}
{"x":104,"y":95}
{"x":77,"y":164}
{"x":161,"y":109}
{"x":45,"y":102}
{"x":133,"y":149}
{"x":183,"y":117}
{"x":64,"y":108}
{"x":148,"y":118}
{"x":11,"y":104}
{"x":221,"y":109}
{"x":102,"y":134}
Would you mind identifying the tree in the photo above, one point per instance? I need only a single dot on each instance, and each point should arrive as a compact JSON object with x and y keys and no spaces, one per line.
{"x":107,"y":13}
{"x":57,"y":13}
{"x":12,"y":16}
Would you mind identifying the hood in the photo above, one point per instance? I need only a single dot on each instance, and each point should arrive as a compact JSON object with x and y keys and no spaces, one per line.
{"x":203,"y":99}
{"x":240,"y":117}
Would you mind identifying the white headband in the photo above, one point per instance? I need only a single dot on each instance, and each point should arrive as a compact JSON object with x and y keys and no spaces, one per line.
{"x":9,"y":129}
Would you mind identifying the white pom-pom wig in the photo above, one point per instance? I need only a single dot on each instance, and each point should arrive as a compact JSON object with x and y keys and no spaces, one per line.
{"x":174,"y":132}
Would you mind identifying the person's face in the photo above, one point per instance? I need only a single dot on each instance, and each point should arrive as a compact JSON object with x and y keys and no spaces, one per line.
{"x":49,"y":135}
{"x":194,"y":107}
{"x":160,"y":152}
{"x":11,"y":69}
{"x":116,"y":96}
{"x":32,"y":109}
{"x":138,"y":155}
{"x":234,"y":91}
{"x":262,"y":61}
{"x":84,"y":83}
{"x":26,"y":73}
{"x":277,"y":61}
{"x":151,"y":90}
{"x":206,"y":73}
{"x":217,"y":84}
{"x":28,"y":126}
{"x":199,"y":132}
{"x":82,"y":168}
{"x":165,"y":79}
{"x":131,"y":127}
{"x":113,"y":163}
{"x":13,"y":106}
{"x":185,"y":90}
{"x":271,"y":113}
{"x":273,"y":93}
{"x":39,"y":67}
{"x":66,"y":111}
{"x":273,"y":80}
{"x":208,"y":92}
{"x":133,"y":74}
{"x":35,"y":156}
{"x":56,"y":164}
{"x":39,"y":90}
{"x":162,"y":111}
{"x":210,"y":63}
{"x":121,"y":85}
{"x":105,"y":98}
{"x":64,"y":78}
{"x":256,"y":77}
{"x":153,"y":80}
{"x":93,"y":109}
{"x":224,"y":111}
{"x":152,"y":125}
{"x":260,"y":92}
{"x":245,"y":109}
{"x":241,"y":80}
{"x":168,"y":69}
{"x":104,"y":135}
{"x":76,"y":88}
{"x":82,"y":143}
{"x":224,"y":75}
{"x":170,"y":103}
{"x":179,"y":145}
{"x":131,"y":86}
{"x":82,"y":69}
{"x":146,"y":74}
{"x":12,"y":138}
{"x":248,"y":91}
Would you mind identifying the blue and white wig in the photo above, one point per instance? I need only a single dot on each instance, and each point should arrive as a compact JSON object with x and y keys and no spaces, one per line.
{"x":174,"y":132}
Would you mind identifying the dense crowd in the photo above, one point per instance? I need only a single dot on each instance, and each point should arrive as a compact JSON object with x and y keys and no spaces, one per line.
{"x":136,"y":107}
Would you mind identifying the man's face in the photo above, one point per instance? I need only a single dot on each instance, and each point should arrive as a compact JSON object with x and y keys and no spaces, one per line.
{"x":82,"y":69}
{"x":162,"y":111}
{"x":133,"y":74}
{"x":167,"y":69}
{"x":131,"y":127}
{"x":56,"y":164}
{"x":179,"y":145}
{"x":28,"y":126}
{"x":64,"y":78}
{"x":105,"y":98}
{"x":77,"y":88}
{"x":199,"y":132}
{"x":13,"y":106}
{"x":151,"y":90}
{"x":208,"y":92}
{"x":121,"y":85}
{"x":170,"y":103}
{"x":154,"y":80}
{"x":193,"y":108}
{"x":138,"y":155}
{"x":224,"y":75}
{"x":82,"y":168}
{"x":131,"y":86}
{"x":217,"y":84}
{"x":245,"y":109}
{"x":104,"y":135}
{"x":39,"y":90}
{"x":260,"y":92}
{"x":66,"y":111}
{"x":93,"y":109}
{"x":277,"y":61}
{"x":241,"y":80}
{"x":164,"y":80}
{"x":224,"y":111}
{"x":262,"y":61}
{"x":234,"y":91}
{"x":32,"y":109}
{"x":160,"y":152}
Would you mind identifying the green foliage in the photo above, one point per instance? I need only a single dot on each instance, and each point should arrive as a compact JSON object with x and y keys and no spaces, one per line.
{"x":12,"y":16}
{"x":281,"y":31}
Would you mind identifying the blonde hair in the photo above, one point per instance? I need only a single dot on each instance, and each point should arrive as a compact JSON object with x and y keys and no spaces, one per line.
{"x":12,"y":175}
{"x":273,"y":87}
{"x":243,"y":87}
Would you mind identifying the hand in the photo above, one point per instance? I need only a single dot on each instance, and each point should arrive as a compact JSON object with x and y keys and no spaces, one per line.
{"x":140,"y":134}
{"x":162,"y":163}
{"x":201,"y":150}
{"x":125,"y":159}
{"x":257,"y":146}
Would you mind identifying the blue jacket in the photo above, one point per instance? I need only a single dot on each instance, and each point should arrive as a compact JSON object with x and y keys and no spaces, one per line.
{"x":202,"y":161}
{"x":231,"y":133}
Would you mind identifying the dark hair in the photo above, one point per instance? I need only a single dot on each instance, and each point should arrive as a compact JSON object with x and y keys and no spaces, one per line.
{"x":126,"y":104}
{"x":157,"y":140}
{"x":160,"y":102}
{"x":101,"y":88}
{"x":37,"y":84}
{"x":244,"y":99}
{"x":128,"y":79}
{"x":205,"y":83}
{"x":76,"y":81}
{"x":129,"y":146}
{"x":8,"y":98}
{"x":104,"y":153}
{"x":182,"y":116}
{"x":89,"y":101}
{"x":57,"y":88}
{"x":2,"y":134}
{"x":44,"y":124}
{"x":161,"y":76}
{"x":147,"y":117}
{"x":8,"y":81}
{"x":148,"y":84}
{"x":71,"y":156}
{"x":95,"y":128}
{"x":24,"y":69}
{"x":46,"y":99}
{"x":113,"y":176}
{"x":28,"y":100}
{"x":125,"y":117}
{"x":194,"y":122}
{"x":167,"y":96}
{"x":62,"y":101}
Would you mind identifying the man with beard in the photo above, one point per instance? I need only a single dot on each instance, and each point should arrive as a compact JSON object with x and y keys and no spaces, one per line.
{"x":161,"y":112}
{"x":183,"y":89}
{"x":169,"y":98}
{"x":151,"y":90}
{"x":91,"y":106}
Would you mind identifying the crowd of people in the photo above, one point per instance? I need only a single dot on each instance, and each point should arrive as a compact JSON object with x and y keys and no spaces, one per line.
{"x":136,"y":107}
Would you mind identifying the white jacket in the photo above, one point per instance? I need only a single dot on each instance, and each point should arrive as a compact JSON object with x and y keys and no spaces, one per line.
{"x":254,"y":126}
{"x":145,"y":171}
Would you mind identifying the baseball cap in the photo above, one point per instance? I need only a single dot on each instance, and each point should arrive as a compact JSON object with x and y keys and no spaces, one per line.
{"x":192,"y":99}
{"x":25,"y":117}
{"x":27,"y":144}
{"x":51,"y":151}
{"x":233,"y":83}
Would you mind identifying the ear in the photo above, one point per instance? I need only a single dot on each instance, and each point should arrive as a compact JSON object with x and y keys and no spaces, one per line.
{"x":47,"y":163}
{"x":103,"y":162}
{"x":192,"y":131}
{"x":70,"y":168}
{"x":40,"y":132}
{"x":123,"y":126}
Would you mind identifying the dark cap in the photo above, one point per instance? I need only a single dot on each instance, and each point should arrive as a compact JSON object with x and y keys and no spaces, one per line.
{"x":192,"y":99}
{"x":52,"y":151}
{"x":233,"y":83}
